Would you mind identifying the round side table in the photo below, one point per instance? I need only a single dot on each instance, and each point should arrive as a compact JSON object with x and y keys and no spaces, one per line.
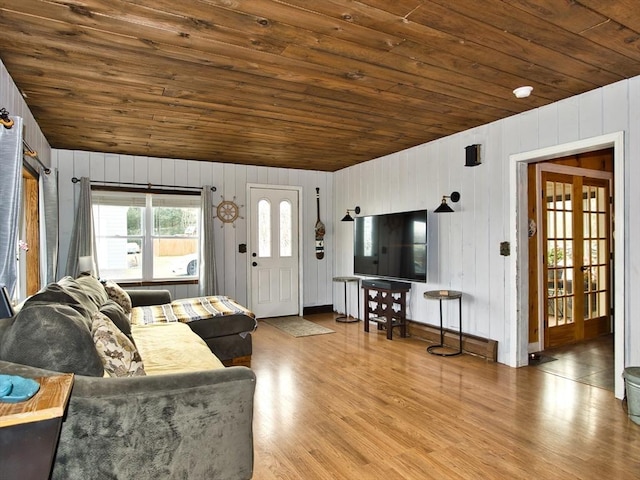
{"x":441,"y":295}
{"x":346,"y":318}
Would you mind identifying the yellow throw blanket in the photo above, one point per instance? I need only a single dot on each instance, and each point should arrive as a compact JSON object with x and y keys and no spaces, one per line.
{"x":172,"y":348}
{"x":187,"y":310}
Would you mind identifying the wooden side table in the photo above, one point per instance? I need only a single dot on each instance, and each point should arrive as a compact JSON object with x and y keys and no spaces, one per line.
{"x":29,"y":430}
{"x":446,"y":295}
{"x":346,"y":318}
{"x":387,"y":308}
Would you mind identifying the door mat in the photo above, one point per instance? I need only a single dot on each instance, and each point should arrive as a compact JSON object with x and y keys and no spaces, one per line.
{"x":297,"y":326}
{"x":536,"y":359}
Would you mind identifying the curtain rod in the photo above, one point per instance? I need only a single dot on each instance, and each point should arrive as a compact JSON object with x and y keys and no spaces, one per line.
{"x":4,"y":118}
{"x":7,"y":123}
{"x":146,"y":185}
{"x":29,"y":152}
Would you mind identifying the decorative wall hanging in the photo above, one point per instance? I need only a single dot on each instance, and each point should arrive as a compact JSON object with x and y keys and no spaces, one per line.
{"x":320,"y":230}
{"x":228,"y":211}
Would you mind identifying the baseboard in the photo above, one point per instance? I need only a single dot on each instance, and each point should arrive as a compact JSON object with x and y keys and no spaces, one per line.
{"x":472,"y":344}
{"x":317,"y":309}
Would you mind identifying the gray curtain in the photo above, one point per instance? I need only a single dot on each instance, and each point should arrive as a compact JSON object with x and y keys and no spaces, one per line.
{"x":82,"y":237}
{"x":49,"y":204}
{"x":10,"y":202}
{"x":208,"y":284}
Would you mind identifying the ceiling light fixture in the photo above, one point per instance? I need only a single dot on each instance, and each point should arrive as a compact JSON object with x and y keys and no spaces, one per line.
{"x":523,"y":92}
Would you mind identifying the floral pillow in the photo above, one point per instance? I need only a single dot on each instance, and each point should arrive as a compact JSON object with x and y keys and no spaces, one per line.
{"x":117,"y":353}
{"x":118,"y":295}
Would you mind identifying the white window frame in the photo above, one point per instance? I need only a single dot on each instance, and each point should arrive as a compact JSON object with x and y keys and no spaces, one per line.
{"x":128,"y":198}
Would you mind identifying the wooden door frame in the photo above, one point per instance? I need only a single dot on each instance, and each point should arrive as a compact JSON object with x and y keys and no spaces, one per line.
{"x":567,"y":170}
{"x":300,"y":238}
{"x":31,"y":216}
{"x":518,"y":228}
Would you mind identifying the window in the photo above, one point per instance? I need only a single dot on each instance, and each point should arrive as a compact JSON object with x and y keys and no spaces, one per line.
{"x":264,"y":228}
{"x":146,"y":236}
{"x":285,"y":228}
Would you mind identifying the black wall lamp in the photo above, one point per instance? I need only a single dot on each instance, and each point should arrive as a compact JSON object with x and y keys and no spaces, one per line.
{"x":444,"y":206}
{"x":472,"y":155}
{"x":349,"y":218}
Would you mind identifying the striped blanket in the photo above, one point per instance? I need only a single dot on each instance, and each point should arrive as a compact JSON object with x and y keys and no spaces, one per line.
{"x":187,"y":310}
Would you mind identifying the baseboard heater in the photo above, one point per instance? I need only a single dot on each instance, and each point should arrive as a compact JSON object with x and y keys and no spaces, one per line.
{"x":472,"y":344}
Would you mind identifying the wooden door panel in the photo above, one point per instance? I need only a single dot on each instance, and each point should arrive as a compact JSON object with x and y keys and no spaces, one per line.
{"x":576,"y":253}
{"x":560,"y":335}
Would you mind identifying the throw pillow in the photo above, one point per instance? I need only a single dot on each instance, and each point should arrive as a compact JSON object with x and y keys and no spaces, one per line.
{"x":117,"y":294}
{"x":118,"y":354}
{"x":116,"y":314}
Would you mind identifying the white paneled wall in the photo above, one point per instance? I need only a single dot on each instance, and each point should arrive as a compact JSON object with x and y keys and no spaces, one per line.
{"x":463,"y":252}
{"x":231,"y":181}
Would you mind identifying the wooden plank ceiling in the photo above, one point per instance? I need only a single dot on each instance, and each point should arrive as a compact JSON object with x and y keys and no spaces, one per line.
{"x":311,"y":84}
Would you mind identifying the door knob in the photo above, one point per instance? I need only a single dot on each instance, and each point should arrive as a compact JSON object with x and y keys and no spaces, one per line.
{"x":255,"y":264}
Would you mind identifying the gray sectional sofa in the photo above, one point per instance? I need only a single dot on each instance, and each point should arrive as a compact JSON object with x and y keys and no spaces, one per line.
{"x":188,"y":422}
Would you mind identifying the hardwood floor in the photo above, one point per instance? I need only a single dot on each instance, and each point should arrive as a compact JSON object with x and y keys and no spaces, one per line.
{"x":350,"y":405}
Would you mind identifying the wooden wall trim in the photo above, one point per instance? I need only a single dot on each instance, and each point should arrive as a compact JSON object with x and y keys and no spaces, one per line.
{"x":32,"y":228}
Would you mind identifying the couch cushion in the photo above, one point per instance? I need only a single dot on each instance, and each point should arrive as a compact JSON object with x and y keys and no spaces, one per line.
{"x":172,"y":348}
{"x":93,"y":289}
{"x":155,"y":296}
{"x":224,"y":325}
{"x":54,"y":337}
{"x":78,"y":291}
{"x":57,"y":294}
{"x":117,"y":353}
{"x":117,"y":294}
{"x":116,"y":314}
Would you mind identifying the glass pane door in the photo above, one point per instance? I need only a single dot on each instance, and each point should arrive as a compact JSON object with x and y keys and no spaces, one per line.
{"x":577,"y":246}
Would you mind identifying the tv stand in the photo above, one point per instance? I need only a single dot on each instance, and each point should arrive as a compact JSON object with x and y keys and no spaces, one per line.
{"x":386,"y":305}
{"x":384,"y":284}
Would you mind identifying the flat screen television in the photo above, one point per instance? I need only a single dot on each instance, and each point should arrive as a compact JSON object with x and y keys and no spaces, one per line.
{"x":392,"y":245}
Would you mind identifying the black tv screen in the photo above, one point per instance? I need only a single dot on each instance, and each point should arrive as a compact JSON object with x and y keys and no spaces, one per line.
{"x":392,"y":245}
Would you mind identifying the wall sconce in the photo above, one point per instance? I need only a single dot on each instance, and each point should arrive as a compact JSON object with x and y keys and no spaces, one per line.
{"x":349,"y":218}
{"x":444,"y":206}
{"x":472,"y":155}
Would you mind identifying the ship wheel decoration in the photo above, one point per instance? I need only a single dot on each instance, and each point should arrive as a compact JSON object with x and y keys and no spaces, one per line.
{"x":228,"y":211}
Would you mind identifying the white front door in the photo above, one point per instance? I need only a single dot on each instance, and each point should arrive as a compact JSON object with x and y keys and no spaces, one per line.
{"x":273,"y":251}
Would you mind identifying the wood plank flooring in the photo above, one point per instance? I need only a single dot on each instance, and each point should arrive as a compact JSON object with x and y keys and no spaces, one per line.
{"x":351,"y":405}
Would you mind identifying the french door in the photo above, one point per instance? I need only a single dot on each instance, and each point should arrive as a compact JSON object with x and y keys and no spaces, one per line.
{"x":577,"y":257}
{"x":274,"y":251}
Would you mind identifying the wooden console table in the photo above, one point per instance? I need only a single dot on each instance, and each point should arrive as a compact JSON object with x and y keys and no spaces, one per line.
{"x":29,"y":430}
{"x":387,"y":307}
